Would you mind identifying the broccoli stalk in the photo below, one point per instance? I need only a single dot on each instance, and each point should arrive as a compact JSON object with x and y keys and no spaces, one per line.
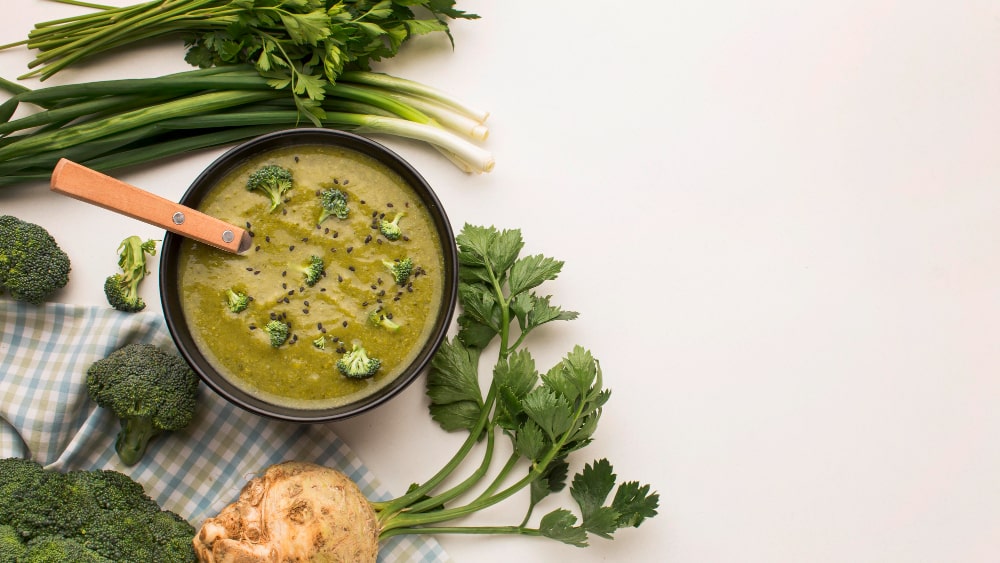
{"x":390,"y":229}
{"x":356,"y":364}
{"x":400,"y":269}
{"x":32,"y":266}
{"x":273,"y":180}
{"x":333,"y":202}
{"x":150,"y":390}
{"x":313,"y":270}
{"x":122,"y":289}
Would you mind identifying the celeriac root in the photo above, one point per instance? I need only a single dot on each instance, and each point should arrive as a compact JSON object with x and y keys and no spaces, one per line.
{"x":295,"y":511}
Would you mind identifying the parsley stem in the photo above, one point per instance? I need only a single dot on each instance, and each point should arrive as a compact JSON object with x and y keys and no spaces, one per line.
{"x":456,"y":491}
{"x":392,"y":508}
{"x":479,"y":530}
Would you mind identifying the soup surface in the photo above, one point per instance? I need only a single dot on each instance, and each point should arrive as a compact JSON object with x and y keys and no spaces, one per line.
{"x":328,"y":318}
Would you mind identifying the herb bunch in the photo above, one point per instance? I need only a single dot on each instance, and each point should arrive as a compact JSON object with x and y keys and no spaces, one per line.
{"x":546,"y":416}
{"x":301,"y":45}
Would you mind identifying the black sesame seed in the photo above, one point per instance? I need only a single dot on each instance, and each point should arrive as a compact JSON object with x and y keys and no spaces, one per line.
{"x":344,"y":324}
{"x":291,"y":247}
{"x":267,"y":238}
{"x":368,"y":239}
{"x":350,"y":249}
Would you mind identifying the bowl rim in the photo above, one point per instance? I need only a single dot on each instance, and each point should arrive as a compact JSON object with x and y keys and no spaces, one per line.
{"x":202,"y":184}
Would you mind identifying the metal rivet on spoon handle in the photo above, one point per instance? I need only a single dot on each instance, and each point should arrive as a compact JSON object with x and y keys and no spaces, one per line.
{"x":91,"y":186}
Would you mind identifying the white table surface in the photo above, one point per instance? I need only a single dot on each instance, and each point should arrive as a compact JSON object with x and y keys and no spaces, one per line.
{"x":779,"y":226}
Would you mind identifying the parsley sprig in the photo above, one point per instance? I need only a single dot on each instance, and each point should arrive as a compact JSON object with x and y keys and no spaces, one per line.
{"x":300,"y":45}
{"x":546,"y":416}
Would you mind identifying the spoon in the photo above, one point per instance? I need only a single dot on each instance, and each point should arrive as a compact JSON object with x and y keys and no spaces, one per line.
{"x":82,"y":183}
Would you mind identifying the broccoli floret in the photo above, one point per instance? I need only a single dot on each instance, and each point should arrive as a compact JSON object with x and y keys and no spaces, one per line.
{"x":122,"y":289}
{"x":237,"y":300}
{"x":57,"y":549}
{"x":11,"y":546}
{"x":357,"y":365}
{"x":382,"y":319}
{"x":32,"y":265}
{"x":390,"y":229}
{"x":95,"y":515}
{"x":320,"y":342}
{"x":401,"y":269}
{"x":150,"y":390}
{"x":277,"y":331}
{"x":313,"y":270}
{"x":273,"y":180}
{"x":332,"y":202}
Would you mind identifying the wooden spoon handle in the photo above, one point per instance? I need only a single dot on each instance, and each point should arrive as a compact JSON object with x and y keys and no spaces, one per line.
{"x":91,"y":186}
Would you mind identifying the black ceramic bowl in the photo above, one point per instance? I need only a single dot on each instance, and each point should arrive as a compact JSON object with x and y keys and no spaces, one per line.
{"x":170,"y":288}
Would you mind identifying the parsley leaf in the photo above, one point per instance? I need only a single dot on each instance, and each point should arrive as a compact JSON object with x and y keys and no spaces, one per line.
{"x":453,"y":387}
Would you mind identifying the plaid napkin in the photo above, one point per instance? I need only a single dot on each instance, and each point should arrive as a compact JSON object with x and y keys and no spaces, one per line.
{"x":45,"y":415}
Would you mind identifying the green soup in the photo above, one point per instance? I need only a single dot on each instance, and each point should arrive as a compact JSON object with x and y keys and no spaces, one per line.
{"x":325,"y":319}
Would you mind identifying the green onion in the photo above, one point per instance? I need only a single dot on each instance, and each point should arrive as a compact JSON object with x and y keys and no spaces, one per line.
{"x":111,"y":124}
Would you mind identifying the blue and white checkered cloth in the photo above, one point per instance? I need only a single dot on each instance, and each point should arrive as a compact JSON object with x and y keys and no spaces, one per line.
{"x":46,"y":415}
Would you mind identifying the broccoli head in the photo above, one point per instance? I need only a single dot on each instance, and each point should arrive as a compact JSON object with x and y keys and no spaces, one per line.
{"x":237,"y":300}
{"x":11,"y":546}
{"x":32,"y":265}
{"x":380,"y":318}
{"x":390,"y":229}
{"x":122,"y":289}
{"x":313,"y":270}
{"x":277,"y":331}
{"x":85,"y":516}
{"x":400,"y":269}
{"x":150,"y":390}
{"x":356,"y":364}
{"x":57,"y":549}
{"x":333,"y":203}
{"x":273,"y":180}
